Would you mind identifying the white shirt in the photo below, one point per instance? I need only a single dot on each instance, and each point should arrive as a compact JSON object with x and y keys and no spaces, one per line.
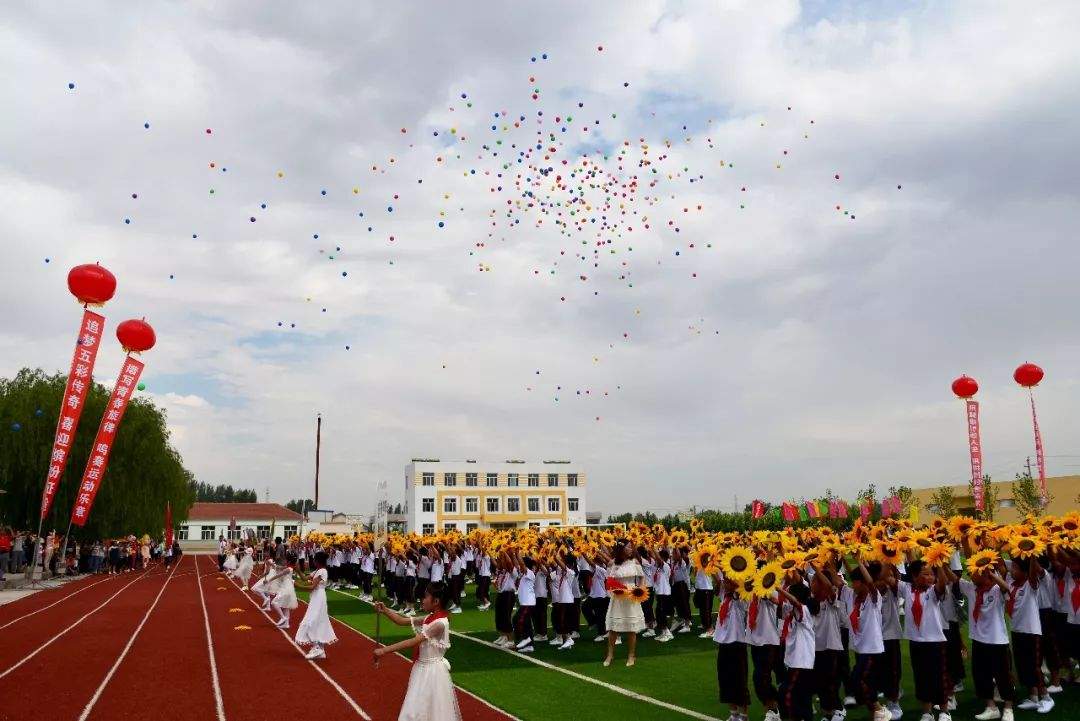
{"x":484,"y":568}
{"x":799,"y":645}
{"x":650,"y":571}
{"x":932,"y":628}
{"x":827,"y":628}
{"x":596,"y":587}
{"x":425,"y":567}
{"x":567,"y":582}
{"x":681,"y":572}
{"x":702,"y":581}
{"x":891,"y":630}
{"x":662,"y":579}
{"x":1047,"y":590}
{"x":437,"y":570}
{"x":541,"y":584}
{"x":733,"y":628}
{"x":1025,"y":609}
{"x":526,"y":588}
{"x":766,"y":630}
{"x":507,"y":581}
{"x":866,"y":639}
{"x":367,"y":563}
{"x":990,"y":628}
{"x":1073,"y":614}
{"x":410,"y":570}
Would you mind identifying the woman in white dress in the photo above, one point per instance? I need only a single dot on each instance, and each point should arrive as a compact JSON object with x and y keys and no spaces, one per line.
{"x":264,"y":587}
{"x":245,"y":567}
{"x":430,"y":696}
{"x":624,"y":615}
{"x":230,"y":560}
{"x":285,"y":596}
{"x":315,"y":628}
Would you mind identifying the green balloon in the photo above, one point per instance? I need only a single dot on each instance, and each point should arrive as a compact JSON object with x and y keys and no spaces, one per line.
{"x":141,"y":386}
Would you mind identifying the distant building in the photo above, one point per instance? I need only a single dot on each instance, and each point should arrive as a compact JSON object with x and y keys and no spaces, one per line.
{"x":1064,"y":497}
{"x":467,"y":495}
{"x":207,"y":521}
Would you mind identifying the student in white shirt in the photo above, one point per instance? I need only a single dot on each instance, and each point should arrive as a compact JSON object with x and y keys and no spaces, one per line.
{"x":596,"y":605}
{"x":991,"y":666}
{"x":1053,"y":644}
{"x":1023,"y":606}
{"x":797,"y":638}
{"x":662,"y":589}
{"x":864,"y":618}
{"x":703,"y":601}
{"x":730,"y":636}
{"x":483,"y":581}
{"x":564,"y":580}
{"x":680,"y":589}
{"x":828,"y":644}
{"x":506,"y":588}
{"x":891,"y":633}
{"x":763,"y":635}
{"x":648,"y":564}
{"x":954,"y":643}
{"x":540,"y":621}
{"x":925,"y":631}
{"x":526,"y":598}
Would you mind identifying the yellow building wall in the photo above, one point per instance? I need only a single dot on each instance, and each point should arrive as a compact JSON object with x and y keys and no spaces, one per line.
{"x":1064,"y":497}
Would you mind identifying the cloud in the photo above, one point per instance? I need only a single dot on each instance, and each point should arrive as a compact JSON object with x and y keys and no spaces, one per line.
{"x":811,"y":350}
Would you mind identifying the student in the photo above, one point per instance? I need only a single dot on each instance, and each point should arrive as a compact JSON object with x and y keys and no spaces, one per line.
{"x":245,"y":567}
{"x":430,"y":694}
{"x":526,"y":598}
{"x":891,"y":633}
{"x":703,"y":601}
{"x":1051,"y":646}
{"x":954,"y":643}
{"x":262,"y":587}
{"x":483,"y":582}
{"x":285,"y":598}
{"x":1023,"y":606}
{"x":596,"y":605}
{"x":648,"y":564}
{"x":730,"y":635}
{"x":409,"y":589}
{"x":662,"y":588}
{"x":925,"y":632}
{"x":562,"y":599}
{"x":506,"y":588}
{"x":680,"y":590}
{"x":763,"y":635}
{"x":540,"y":620}
{"x":315,"y":628}
{"x":828,"y":645}
{"x":864,"y":600}
{"x":797,"y":638}
{"x":991,"y":666}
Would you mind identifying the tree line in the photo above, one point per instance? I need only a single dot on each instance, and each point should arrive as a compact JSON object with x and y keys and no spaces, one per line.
{"x":209,"y":493}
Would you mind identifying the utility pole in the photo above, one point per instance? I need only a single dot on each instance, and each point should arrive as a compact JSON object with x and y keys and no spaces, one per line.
{"x":318,"y":444}
{"x":1029,"y":466}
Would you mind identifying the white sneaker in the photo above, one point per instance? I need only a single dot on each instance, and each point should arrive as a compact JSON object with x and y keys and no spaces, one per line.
{"x":990,"y":713}
{"x":1054,"y":689}
{"x":648,"y":633}
{"x":1045,"y":704}
{"x":1028,"y":704}
{"x":540,"y":638}
{"x":568,"y":644}
{"x":601,"y":638}
{"x":455,"y":609}
{"x":665,"y":636}
{"x":881,"y":714}
{"x":315,"y":653}
{"x":927,"y":717}
{"x":839,"y":715}
{"x":704,"y":634}
{"x":575,"y":634}
{"x":958,"y":688}
{"x":683,"y":629}
{"x":895,"y":712}
{"x":618,"y":640}
{"x":525,"y":649}
{"x":1007,"y":715}
{"x":771,"y":715}
{"x":556,"y":641}
{"x":944,"y":717}
{"x":500,"y":641}
{"x":523,"y":643}
{"x":950,"y":705}
{"x":849,"y":700}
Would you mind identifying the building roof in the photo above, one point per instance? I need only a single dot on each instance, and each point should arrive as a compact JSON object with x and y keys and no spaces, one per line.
{"x":241,"y":512}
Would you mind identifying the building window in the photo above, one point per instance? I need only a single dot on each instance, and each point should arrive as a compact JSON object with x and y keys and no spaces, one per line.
{"x":429,"y":479}
{"x":427,"y":505}
{"x":534,"y":505}
{"x":492,"y":480}
{"x":470,"y":527}
{"x":449,"y":479}
{"x":449,"y":504}
{"x":207,"y":533}
{"x":492,"y":504}
{"x":534,"y":480}
{"x":472,"y":505}
{"x":513,"y":505}
{"x":571,"y":479}
{"x":181,"y":534}
{"x":447,"y":527}
{"x":534,"y":524}
{"x":553,"y":480}
{"x":262,"y":531}
{"x":427,"y":529}
{"x":290,"y":531}
{"x":470,"y":479}
{"x":512,"y":480}
{"x":1007,"y":503}
{"x":571,"y":504}
{"x":553,"y":504}
{"x":233,"y":534}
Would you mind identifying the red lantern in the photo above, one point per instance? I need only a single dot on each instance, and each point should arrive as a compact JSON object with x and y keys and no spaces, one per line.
{"x":91,"y":284}
{"x":1028,"y":375}
{"x":965,"y":387}
{"x":135,"y":336}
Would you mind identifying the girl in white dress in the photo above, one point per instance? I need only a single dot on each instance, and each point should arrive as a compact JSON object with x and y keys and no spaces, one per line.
{"x":263,"y":587}
{"x":430,"y":696}
{"x":315,"y":628}
{"x":624,"y":615}
{"x":230,"y":560}
{"x":285,"y":598}
{"x":245,"y":567}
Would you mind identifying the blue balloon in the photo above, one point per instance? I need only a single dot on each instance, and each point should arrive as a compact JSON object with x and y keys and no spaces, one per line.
{"x":16,"y":427}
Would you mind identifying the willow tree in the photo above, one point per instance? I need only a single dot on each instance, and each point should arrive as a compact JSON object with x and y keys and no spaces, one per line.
{"x":145,"y":471}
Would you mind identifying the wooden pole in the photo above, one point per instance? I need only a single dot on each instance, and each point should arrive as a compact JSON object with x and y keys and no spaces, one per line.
{"x":318,"y":444}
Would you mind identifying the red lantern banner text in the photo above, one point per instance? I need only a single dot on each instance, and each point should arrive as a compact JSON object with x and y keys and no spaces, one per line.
{"x":975,"y":448}
{"x":99,"y":452}
{"x":80,"y":378}
{"x":1040,"y":459}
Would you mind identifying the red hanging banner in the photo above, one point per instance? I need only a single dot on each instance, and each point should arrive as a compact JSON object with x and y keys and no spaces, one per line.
{"x":1040,"y":459}
{"x":975,"y":448}
{"x":99,"y":452}
{"x":80,"y":378}
{"x":168,"y":525}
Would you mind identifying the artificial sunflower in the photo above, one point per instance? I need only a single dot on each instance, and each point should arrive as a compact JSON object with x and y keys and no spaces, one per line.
{"x":938,"y":554}
{"x":887,"y":552}
{"x":738,"y":563}
{"x":1026,"y":547}
{"x":707,"y":558}
{"x":679,"y":538}
{"x":961,"y":526}
{"x":639,"y":594}
{"x":1070,"y":522}
{"x":982,"y":561}
{"x":768,"y":579}
{"x":792,"y":560}
{"x":746,"y":589}
{"x":618,"y":592}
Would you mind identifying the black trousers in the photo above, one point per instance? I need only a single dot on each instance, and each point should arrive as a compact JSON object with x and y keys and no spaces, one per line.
{"x":863,"y":682}
{"x":731,"y":673}
{"x":647,"y":609}
{"x":680,"y":591}
{"x":540,"y":620}
{"x":928,"y":664}
{"x":703,"y":599}
{"x":827,"y":679}
{"x":1051,"y":640}
{"x":504,"y":609}
{"x":768,"y":663}
{"x":954,"y":655}
{"x":664,"y":608}
{"x":843,"y":666}
{"x":221,"y":562}
{"x":889,"y":678}
{"x":483,"y":586}
{"x":990,"y":664}
{"x":1027,"y":653}
{"x":796,"y":694}
{"x":523,"y":622}
{"x":563,"y":618}
{"x":595,"y":610}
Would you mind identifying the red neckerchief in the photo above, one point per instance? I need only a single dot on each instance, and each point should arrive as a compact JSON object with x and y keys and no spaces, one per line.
{"x":1011,"y":605}
{"x":725,"y":609}
{"x":787,"y":626}
{"x":1061,"y":587}
{"x":916,"y":607}
{"x":431,"y":618}
{"x":855,"y":613}
{"x":977,"y":611}
{"x":753,"y":612}
{"x":1076,"y":597}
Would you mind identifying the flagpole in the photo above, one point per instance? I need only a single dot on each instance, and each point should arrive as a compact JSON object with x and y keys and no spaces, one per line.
{"x":318,"y":445}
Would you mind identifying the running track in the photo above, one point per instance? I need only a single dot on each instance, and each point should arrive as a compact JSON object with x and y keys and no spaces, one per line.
{"x":165,"y":644}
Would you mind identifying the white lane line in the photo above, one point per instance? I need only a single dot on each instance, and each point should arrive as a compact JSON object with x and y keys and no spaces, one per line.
{"x":409,"y":661}
{"x":45,"y":608}
{"x":87,"y":615}
{"x":329,"y":680}
{"x":579,"y":676}
{"x":123,"y":654}
{"x":218,"y":702}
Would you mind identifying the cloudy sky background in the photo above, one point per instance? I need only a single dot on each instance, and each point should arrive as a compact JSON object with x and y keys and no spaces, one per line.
{"x":826,"y":345}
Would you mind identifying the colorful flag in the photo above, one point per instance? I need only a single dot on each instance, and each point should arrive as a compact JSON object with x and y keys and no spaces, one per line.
{"x":757,"y":509}
{"x":790,"y":512}
{"x":812,"y":509}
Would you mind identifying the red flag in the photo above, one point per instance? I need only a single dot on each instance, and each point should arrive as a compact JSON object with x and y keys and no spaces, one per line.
{"x":99,"y":452}
{"x":975,"y":450}
{"x":757,"y":509}
{"x":168,"y":525}
{"x":790,"y":511}
{"x":80,"y":378}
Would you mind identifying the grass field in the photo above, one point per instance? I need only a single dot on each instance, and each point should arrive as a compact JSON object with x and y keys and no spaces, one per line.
{"x":670,"y":681}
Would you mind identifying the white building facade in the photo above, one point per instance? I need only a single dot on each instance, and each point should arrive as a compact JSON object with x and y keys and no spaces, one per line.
{"x":468,"y":495}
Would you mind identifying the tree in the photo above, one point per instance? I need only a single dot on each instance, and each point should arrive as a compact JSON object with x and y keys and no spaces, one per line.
{"x":1027,"y":496}
{"x":223,"y":494}
{"x":301,"y":505}
{"x":943,"y":502}
{"x":145,"y":472}
{"x":908,"y":499}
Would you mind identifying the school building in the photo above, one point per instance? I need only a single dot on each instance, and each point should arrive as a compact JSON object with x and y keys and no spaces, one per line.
{"x":1064,"y":497}
{"x":207,"y":521}
{"x":467,"y":495}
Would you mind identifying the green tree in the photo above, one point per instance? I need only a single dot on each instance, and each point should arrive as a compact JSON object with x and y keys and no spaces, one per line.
{"x":907,"y":497}
{"x":300,"y":505}
{"x":1027,"y":497}
{"x":943,"y":502}
{"x":145,"y":472}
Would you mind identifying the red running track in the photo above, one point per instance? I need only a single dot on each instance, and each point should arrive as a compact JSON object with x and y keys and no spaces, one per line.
{"x":16,"y":611}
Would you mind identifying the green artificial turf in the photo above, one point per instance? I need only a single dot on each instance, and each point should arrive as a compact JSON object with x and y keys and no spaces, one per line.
{"x":681,"y":672}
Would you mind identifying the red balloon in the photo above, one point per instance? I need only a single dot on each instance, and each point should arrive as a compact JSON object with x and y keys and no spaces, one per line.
{"x":1028,"y":375}
{"x":91,"y":284}
{"x":136,"y":336}
{"x":965,"y":387}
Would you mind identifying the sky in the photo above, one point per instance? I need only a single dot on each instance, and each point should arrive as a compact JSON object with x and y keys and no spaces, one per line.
{"x":878,"y":198}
